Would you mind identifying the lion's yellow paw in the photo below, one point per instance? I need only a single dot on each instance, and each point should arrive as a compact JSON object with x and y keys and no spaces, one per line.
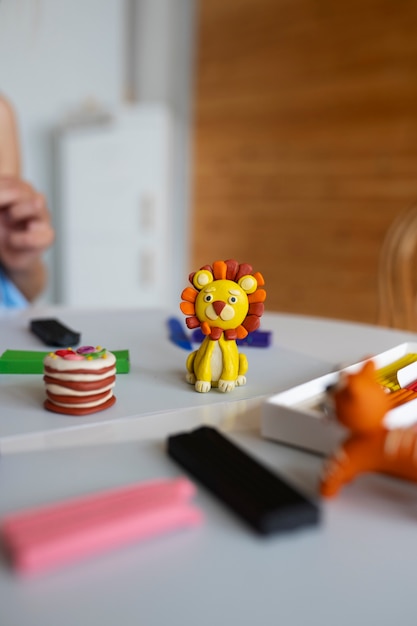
{"x":226,"y":385}
{"x":202,"y":386}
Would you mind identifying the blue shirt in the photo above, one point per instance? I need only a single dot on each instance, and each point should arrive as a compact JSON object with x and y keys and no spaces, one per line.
{"x":10,"y":296}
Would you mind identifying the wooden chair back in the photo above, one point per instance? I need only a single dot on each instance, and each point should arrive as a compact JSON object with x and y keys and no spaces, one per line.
{"x":397,"y":273}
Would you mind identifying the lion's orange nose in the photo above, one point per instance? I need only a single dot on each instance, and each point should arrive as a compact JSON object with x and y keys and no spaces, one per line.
{"x":218,"y":306}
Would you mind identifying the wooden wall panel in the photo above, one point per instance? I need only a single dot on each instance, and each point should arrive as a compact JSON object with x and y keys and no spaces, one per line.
{"x":305,"y":144}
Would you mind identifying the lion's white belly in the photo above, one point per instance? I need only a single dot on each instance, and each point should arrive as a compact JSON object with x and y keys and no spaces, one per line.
{"x":216,"y":362}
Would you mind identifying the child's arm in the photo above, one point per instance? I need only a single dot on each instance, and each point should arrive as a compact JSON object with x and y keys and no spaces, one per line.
{"x":9,"y":141}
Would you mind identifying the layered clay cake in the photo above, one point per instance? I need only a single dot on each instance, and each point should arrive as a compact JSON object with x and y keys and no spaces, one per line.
{"x":79,"y":382}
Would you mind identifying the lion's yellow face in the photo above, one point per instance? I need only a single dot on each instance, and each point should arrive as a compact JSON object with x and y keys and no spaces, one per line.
{"x":225,"y":299}
{"x":222,"y":303}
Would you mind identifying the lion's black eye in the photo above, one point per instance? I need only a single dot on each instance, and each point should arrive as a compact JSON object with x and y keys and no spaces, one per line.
{"x":232,"y":300}
{"x":208,"y":297}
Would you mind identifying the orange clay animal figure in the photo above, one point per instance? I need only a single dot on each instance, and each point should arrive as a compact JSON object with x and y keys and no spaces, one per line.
{"x":226,"y":302}
{"x":360,"y":405}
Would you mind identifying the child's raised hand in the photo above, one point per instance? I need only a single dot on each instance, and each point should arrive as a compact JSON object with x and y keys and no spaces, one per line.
{"x":25,"y":225}
{"x":25,"y":231}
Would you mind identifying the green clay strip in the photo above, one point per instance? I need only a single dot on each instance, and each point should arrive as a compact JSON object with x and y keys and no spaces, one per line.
{"x":31,"y":362}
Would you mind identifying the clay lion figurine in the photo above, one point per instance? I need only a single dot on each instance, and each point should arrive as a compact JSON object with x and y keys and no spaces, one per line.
{"x":226,"y":302}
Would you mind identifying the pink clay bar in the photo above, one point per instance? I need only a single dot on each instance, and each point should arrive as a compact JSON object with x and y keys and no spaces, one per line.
{"x":46,"y":537}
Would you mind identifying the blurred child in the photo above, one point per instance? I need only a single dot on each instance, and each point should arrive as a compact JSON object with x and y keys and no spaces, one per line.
{"x":25,"y":225}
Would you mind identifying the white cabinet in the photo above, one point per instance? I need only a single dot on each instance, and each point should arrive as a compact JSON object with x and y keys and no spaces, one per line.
{"x":114,"y":205}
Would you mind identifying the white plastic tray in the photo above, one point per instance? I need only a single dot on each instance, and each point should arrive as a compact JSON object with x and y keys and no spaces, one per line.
{"x":297,"y":416}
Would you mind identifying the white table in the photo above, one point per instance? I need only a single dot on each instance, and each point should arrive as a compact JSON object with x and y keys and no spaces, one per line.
{"x":358,"y":566}
{"x":155,"y":385}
